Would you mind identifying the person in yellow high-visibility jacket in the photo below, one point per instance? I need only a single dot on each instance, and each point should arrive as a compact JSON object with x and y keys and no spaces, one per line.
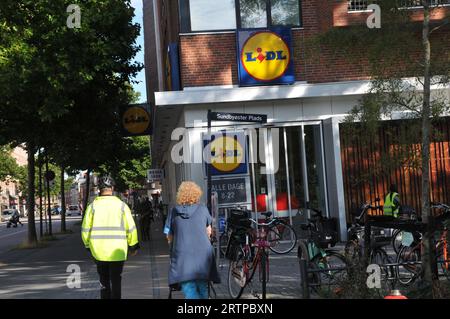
{"x":109,"y":232}
{"x":391,"y":205}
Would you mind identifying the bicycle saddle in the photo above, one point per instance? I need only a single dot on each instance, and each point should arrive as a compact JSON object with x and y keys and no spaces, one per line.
{"x":267,"y":214}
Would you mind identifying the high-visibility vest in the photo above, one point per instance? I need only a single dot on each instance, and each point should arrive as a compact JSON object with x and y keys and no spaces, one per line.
{"x":108,"y":229}
{"x":388,"y":208}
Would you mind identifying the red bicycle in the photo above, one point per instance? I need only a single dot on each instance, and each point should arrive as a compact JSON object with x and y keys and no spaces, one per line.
{"x":249,"y":256}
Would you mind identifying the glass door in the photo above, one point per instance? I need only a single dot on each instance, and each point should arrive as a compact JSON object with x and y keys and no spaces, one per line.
{"x":288,"y":171}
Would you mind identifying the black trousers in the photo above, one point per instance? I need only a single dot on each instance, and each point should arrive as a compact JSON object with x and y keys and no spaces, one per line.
{"x":110,"y":273}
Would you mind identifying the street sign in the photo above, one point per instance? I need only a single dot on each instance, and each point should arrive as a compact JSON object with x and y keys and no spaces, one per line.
{"x":230,"y":191}
{"x":154,"y":175}
{"x":238,"y":117}
{"x":50,"y":175}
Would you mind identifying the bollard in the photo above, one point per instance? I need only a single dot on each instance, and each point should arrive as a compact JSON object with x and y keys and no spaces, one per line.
{"x":395,"y":294}
{"x":304,"y":278}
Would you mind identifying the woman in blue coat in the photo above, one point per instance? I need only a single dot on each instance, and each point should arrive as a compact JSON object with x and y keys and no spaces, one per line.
{"x":188,"y":230}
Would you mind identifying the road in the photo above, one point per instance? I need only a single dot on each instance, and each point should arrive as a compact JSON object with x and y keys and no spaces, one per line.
{"x":12,"y":237}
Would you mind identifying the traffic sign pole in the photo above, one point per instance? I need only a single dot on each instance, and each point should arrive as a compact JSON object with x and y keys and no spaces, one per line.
{"x":49,"y":210}
{"x":208,"y":164}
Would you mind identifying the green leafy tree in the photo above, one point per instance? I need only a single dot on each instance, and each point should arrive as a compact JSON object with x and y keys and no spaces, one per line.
{"x":53,"y":74}
{"x":8,"y":166}
{"x":130,"y":164}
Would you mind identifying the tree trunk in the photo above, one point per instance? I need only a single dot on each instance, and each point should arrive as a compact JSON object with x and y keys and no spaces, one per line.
{"x":87,"y":191}
{"x":63,"y":202}
{"x":49,"y":208}
{"x":429,"y":260}
{"x":32,"y":236}
{"x":41,"y":231}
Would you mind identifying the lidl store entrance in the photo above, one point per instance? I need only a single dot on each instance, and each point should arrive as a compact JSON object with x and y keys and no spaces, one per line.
{"x":287,"y":170}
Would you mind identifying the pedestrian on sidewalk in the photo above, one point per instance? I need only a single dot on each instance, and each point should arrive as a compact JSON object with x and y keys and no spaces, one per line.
{"x":109,"y":232}
{"x":188,"y":230}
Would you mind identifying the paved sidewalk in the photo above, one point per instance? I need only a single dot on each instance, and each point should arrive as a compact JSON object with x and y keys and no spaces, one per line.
{"x":42,"y":273}
{"x":284,"y":278}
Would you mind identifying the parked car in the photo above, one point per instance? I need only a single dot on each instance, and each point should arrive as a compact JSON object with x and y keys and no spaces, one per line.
{"x":73,"y":210}
{"x":6,"y":214}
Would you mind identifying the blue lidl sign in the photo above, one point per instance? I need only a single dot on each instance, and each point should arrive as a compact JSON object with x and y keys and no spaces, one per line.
{"x":228,"y":153}
{"x":265,"y":57}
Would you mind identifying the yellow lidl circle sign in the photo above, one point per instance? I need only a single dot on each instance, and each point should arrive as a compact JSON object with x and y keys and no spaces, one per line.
{"x":265,"y":57}
{"x":226,"y":154}
{"x":136,"y":120}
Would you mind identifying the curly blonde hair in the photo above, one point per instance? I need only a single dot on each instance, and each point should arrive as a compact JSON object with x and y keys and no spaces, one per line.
{"x":189,"y":193}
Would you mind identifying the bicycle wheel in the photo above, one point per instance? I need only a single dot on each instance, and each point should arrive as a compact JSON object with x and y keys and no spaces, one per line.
{"x":352,"y":252}
{"x":407,"y":273}
{"x":330,"y":271}
{"x":263,"y":273}
{"x":255,"y":286}
{"x":397,"y":240}
{"x":379,"y":256}
{"x":442,"y":257}
{"x":282,"y":238}
{"x":237,"y":277}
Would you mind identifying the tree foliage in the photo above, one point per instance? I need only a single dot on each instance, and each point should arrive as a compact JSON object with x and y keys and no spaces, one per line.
{"x":130,"y":164}
{"x":406,"y":60}
{"x":62,"y":87}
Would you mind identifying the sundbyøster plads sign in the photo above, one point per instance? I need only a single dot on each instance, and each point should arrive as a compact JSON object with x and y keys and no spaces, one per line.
{"x":265,"y":57}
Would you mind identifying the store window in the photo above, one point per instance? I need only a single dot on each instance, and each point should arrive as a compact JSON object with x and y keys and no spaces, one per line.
{"x":207,"y":15}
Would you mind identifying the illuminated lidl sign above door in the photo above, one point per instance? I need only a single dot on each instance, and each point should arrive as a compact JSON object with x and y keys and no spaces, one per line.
{"x":264,"y":57}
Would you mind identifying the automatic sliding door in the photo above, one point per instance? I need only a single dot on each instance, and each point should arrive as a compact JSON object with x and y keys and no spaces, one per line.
{"x":315,"y":167}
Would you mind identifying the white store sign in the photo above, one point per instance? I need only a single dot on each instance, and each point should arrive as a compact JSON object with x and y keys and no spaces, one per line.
{"x":155,"y":175}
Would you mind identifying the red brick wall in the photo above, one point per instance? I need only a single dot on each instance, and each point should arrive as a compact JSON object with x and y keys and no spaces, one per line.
{"x":341,"y":17}
{"x":210,"y":59}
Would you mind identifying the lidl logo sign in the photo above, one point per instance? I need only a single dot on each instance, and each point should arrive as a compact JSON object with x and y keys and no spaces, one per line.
{"x":136,"y":120}
{"x":265,"y":57}
{"x":228,"y":154}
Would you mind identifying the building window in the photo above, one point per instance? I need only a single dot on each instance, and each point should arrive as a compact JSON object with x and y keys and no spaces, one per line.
{"x":285,"y":12}
{"x":253,"y":14}
{"x":207,"y":15}
{"x":267,"y":13}
{"x":361,"y":5}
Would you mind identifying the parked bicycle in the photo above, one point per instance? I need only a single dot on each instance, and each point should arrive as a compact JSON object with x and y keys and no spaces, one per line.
{"x":281,"y":236}
{"x":354,"y":247}
{"x":248,"y":253}
{"x":412,"y":247}
{"x":327,"y":268}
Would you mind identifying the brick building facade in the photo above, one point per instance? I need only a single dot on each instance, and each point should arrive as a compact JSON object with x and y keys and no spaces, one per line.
{"x":302,"y":138}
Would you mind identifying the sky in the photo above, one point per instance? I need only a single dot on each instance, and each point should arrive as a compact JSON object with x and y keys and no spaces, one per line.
{"x":140,"y":87}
